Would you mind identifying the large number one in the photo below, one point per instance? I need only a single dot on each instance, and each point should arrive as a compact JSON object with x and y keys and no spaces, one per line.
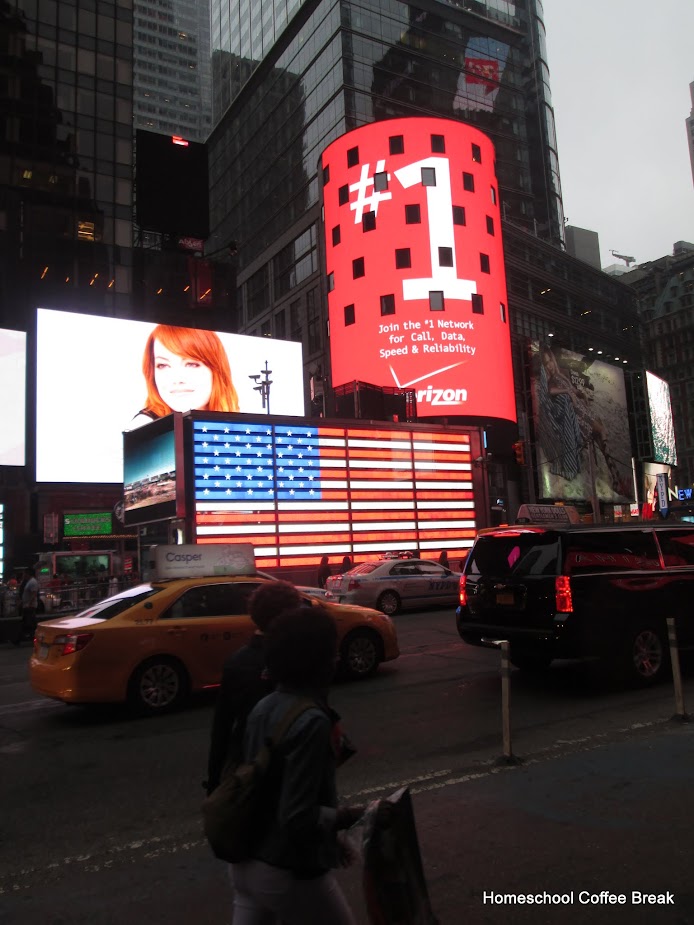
{"x":440,"y":216}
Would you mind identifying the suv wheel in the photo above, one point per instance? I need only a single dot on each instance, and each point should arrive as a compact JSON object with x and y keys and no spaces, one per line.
{"x":645,"y":658}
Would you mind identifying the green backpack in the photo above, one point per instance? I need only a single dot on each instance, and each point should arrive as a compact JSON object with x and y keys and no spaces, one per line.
{"x":230,"y":812}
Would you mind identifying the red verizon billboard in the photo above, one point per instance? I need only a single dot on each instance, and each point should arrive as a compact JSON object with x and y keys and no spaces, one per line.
{"x":415,"y":267}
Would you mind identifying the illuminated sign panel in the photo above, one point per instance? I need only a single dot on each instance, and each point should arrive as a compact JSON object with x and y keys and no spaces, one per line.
{"x":580,"y":407}
{"x":662,"y":425}
{"x":298,"y":491}
{"x":13,"y":391}
{"x":97,"y":377}
{"x":416,"y":282}
{"x":91,"y":523}
{"x":149,"y":476}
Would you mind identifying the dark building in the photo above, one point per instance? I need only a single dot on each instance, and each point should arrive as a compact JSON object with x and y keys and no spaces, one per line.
{"x":354,"y":63}
{"x":66,"y":154}
{"x":665,"y":291}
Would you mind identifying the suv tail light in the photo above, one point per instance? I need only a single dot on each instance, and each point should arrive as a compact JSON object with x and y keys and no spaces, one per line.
{"x":353,"y":584}
{"x":462,"y":591}
{"x":562,"y":594}
{"x":73,"y":642}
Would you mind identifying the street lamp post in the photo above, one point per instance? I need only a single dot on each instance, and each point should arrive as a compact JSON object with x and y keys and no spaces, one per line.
{"x":264,"y":382}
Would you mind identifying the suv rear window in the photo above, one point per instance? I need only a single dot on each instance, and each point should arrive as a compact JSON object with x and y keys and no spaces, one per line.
{"x":677,"y":546}
{"x":514,"y":554}
{"x":618,"y":551}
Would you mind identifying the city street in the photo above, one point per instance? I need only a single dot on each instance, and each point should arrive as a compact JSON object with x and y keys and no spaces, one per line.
{"x":100,"y":811}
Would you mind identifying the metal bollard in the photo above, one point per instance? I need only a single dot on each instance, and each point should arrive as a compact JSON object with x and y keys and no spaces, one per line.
{"x":508,"y":757}
{"x":681,"y":713}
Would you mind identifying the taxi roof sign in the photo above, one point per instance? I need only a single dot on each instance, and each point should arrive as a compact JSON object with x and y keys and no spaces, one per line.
{"x":201,"y":561}
{"x":547,"y":514}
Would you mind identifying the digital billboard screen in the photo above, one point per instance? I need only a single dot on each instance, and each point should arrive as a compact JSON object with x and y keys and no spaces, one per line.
{"x":580,"y":407}
{"x":88,"y":523}
{"x":149,"y":472}
{"x":300,"y":490}
{"x":662,"y":425}
{"x":415,"y":266}
{"x":97,"y":377}
{"x":13,"y":390}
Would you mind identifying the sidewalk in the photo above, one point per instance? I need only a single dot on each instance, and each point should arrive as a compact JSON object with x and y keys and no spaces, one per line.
{"x":568,"y":830}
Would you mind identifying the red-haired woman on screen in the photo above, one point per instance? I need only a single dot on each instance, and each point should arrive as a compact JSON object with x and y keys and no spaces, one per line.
{"x":185,"y":369}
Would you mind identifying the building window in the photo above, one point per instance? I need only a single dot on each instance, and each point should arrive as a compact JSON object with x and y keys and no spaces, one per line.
{"x":326,"y":175}
{"x":358,"y":268}
{"x":349,"y":315}
{"x":280,"y":324}
{"x":295,"y":321}
{"x":413,"y":215}
{"x":343,"y":195}
{"x":403,"y":258}
{"x":396,"y":144}
{"x":484,"y":263}
{"x":296,"y":261}
{"x":477,"y":304}
{"x":387,"y":304}
{"x":353,"y":157}
{"x":490,"y":225}
{"x":438,"y":144}
{"x":313,"y":321}
{"x":331,"y":282}
{"x":258,"y":292}
{"x":428,"y":176}
{"x":368,"y":222}
{"x":493,"y":192}
{"x":445,"y":256}
{"x":380,"y":182}
{"x":477,"y":154}
{"x":502,"y":310}
{"x":336,"y":235}
{"x":436,"y":303}
{"x":458,"y":215}
{"x":468,"y":182}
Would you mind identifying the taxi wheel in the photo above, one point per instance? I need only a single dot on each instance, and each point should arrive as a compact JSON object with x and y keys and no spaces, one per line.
{"x":388,"y":603}
{"x":158,"y":685}
{"x":360,"y":654}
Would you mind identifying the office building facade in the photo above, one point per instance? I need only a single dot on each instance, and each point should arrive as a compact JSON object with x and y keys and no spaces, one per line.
{"x":172,"y":79}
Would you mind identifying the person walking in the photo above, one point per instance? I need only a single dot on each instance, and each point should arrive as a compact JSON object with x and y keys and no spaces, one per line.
{"x":243,"y":683}
{"x":346,"y":565}
{"x":443,"y":559}
{"x":29,"y":601}
{"x":289,"y":878}
{"x":324,"y":571}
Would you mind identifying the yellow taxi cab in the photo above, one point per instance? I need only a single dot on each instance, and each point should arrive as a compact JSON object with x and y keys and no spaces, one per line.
{"x":154,"y":644}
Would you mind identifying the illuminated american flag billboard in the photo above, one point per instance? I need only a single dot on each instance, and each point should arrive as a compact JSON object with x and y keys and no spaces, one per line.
{"x":297,"y":490}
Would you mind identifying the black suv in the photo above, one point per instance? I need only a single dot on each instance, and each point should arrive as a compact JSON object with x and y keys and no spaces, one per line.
{"x":575,"y":591}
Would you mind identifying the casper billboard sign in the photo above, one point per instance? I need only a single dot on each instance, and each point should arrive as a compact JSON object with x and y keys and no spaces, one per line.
{"x":416,"y":284}
{"x":97,"y":377}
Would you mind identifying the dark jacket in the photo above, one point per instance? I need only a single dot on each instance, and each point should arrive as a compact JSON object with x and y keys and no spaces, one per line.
{"x":324,"y":572}
{"x":297,"y":828}
{"x":242,"y":686}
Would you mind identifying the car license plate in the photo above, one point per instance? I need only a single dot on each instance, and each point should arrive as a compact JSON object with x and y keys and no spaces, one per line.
{"x":505,"y":598}
{"x":44,"y":650}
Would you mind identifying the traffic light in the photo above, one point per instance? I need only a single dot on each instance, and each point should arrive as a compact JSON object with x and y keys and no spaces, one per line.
{"x":519,"y":452}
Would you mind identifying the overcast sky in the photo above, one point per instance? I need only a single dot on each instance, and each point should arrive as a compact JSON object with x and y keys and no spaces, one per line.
{"x":620,"y":72}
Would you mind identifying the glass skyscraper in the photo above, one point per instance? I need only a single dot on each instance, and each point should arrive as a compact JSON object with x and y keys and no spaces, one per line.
{"x":66,"y":151}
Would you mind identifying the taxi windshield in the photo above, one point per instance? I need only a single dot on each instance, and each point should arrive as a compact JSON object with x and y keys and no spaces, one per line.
{"x":111,"y":606}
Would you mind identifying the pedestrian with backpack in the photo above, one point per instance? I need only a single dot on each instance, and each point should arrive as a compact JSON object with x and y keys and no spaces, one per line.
{"x":287,"y":878}
{"x":244,"y":681}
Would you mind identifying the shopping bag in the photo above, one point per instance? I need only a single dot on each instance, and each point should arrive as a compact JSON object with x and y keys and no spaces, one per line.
{"x":394,"y":886}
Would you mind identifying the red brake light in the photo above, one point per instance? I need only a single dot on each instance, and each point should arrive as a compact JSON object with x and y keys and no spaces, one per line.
{"x":462,"y":592}
{"x":562,"y":594}
{"x":353,"y":583}
{"x":73,"y":642}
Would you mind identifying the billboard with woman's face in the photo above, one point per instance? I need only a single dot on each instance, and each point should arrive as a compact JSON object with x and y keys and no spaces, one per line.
{"x":97,"y":377}
{"x":580,"y":408}
{"x":13,"y":390}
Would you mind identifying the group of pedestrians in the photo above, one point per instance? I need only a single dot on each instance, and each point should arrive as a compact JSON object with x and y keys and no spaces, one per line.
{"x":325,"y":570}
{"x":289,"y":878}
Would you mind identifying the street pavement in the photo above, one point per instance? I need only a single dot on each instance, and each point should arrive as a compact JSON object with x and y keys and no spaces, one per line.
{"x":595,"y":829}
